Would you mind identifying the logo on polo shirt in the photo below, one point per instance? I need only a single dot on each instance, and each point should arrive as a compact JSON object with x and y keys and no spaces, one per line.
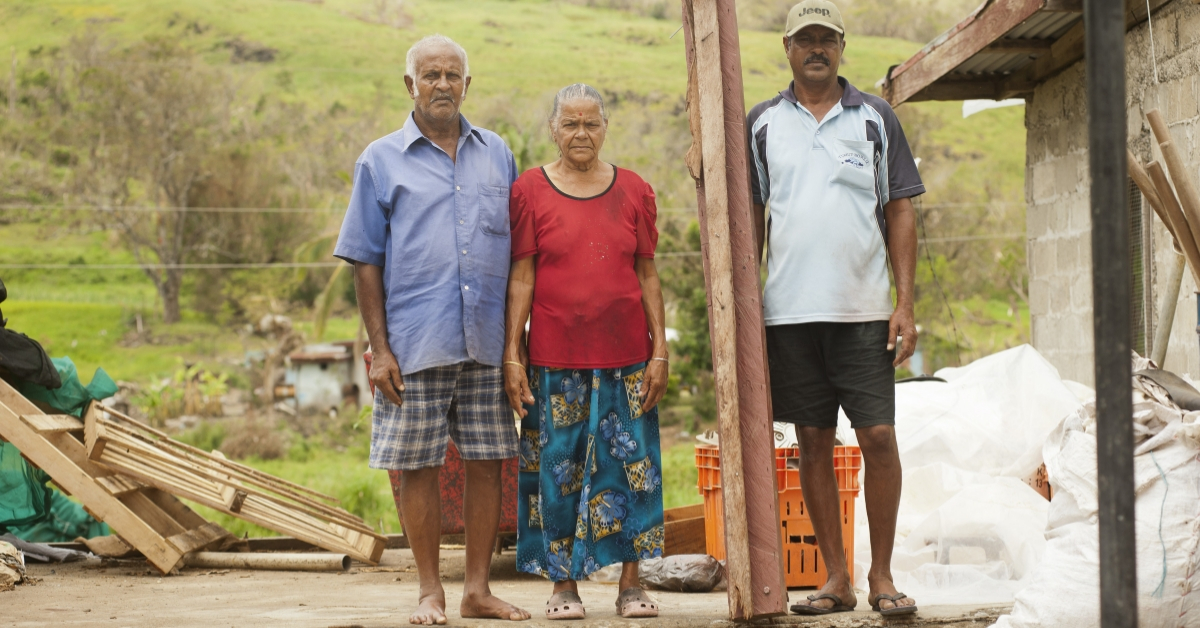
{"x":853,"y":159}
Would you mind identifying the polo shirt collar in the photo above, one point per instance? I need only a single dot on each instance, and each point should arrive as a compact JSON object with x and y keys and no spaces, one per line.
{"x":410,"y":132}
{"x":851,"y":97}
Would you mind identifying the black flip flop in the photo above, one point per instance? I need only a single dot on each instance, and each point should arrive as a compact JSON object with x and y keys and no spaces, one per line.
{"x":809,"y":609}
{"x":895,"y":610}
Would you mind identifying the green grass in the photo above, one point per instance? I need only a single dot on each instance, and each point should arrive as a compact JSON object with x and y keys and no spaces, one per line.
{"x":94,"y":335}
{"x":679,"y":476}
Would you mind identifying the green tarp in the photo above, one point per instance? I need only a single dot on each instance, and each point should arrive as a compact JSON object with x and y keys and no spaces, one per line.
{"x":28,"y":508}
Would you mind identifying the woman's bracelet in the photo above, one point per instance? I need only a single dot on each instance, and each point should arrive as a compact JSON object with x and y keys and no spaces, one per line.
{"x":515,"y":363}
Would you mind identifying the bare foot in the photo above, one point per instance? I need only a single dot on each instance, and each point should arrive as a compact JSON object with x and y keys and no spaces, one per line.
{"x":884,"y":586}
{"x":841,"y":589}
{"x":490,"y":607}
{"x":431,"y":610}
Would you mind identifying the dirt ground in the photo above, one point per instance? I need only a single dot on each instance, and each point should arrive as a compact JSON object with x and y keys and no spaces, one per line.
{"x":130,"y":593}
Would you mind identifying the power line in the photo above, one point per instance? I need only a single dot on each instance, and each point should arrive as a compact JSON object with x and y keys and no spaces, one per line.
{"x":168,"y":266}
{"x":163,"y":210}
{"x":335,"y":210}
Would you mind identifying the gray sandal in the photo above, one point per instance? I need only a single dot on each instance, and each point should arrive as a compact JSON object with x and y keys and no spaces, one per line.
{"x":634,"y":603}
{"x":565,"y":605}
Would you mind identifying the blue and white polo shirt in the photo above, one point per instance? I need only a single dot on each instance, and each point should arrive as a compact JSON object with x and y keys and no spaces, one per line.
{"x":826,"y":185}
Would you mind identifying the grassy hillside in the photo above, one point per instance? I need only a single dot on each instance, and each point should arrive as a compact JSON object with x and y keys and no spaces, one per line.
{"x":329,"y":52}
{"x":343,"y":53}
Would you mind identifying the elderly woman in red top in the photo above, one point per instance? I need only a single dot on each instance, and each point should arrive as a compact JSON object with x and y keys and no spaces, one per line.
{"x":595,"y":366}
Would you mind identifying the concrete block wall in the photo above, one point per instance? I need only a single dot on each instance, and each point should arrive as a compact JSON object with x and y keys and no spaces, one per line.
{"x":1058,"y":221}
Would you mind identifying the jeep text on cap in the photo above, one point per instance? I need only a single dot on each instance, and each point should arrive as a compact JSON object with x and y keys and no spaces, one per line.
{"x":809,"y":12}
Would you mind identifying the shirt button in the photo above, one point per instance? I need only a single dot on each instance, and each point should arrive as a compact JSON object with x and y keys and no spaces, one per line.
{"x":457,"y":188}
{"x":460,"y":222}
{"x":464,"y":251}
{"x":466,"y":287}
{"x":818,"y":132}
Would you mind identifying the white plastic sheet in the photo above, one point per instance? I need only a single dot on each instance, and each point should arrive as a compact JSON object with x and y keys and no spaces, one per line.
{"x":1064,"y":589}
{"x":970,"y":530}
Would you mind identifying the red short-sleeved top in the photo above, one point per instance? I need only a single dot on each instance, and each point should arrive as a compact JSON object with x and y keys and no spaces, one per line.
{"x":587,"y":301}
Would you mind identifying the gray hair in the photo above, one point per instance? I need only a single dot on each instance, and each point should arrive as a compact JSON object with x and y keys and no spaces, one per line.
{"x":576,"y":92}
{"x":414,"y":53}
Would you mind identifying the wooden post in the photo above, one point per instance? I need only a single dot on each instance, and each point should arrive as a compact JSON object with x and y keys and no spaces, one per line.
{"x":717,"y":115}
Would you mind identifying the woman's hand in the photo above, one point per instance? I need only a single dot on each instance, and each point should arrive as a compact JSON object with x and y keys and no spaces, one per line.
{"x":516,"y":386}
{"x":654,"y":384}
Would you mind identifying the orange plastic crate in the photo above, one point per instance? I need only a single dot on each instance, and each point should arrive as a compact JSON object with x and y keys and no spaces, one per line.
{"x":802,"y":563}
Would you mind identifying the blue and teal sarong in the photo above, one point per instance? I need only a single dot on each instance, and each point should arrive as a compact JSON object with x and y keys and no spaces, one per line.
{"x":590,"y":486}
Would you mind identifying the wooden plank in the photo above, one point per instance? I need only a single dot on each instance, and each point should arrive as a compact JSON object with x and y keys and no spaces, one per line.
{"x":216,"y":456}
{"x":722,"y":321}
{"x":50,"y":423}
{"x":95,"y":437}
{"x":1141,"y":179}
{"x":150,"y":454}
{"x":755,"y":417}
{"x":64,"y":458}
{"x":118,"y":484}
{"x":683,"y":512}
{"x":198,"y":538}
{"x":684,"y":536}
{"x":941,"y":56}
{"x":730,"y":253}
{"x":1174,"y":214}
{"x":1185,"y":185}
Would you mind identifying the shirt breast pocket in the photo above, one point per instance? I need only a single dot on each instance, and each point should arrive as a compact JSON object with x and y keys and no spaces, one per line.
{"x":493,"y":210}
{"x":855,"y":164}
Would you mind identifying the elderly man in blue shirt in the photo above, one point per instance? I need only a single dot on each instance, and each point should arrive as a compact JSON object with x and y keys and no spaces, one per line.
{"x":427,"y":231}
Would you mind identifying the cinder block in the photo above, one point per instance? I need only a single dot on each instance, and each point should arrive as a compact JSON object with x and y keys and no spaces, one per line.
{"x":1060,"y":294}
{"x":1043,"y":180}
{"x":1043,"y":260}
{"x":1066,"y":256}
{"x":1039,"y":296}
{"x":1188,"y":27}
{"x":1037,"y":221}
{"x":1066,"y":174}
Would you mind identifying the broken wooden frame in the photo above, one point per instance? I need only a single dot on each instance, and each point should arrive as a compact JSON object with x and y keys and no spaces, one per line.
{"x":718,"y":161}
{"x":151,"y":457}
{"x":154,"y":522}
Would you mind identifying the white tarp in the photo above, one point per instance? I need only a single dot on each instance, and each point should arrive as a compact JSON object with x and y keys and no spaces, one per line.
{"x":1064,"y":590}
{"x":970,"y":530}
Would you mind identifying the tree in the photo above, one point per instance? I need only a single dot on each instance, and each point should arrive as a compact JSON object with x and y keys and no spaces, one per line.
{"x":150,"y":121}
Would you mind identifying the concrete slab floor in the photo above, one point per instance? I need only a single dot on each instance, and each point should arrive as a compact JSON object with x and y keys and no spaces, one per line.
{"x":130,"y":593}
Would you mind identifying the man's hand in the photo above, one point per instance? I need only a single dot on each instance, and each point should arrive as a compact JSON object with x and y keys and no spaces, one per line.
{"x":516,"y":386}
{"x":385,"y":374}
{"x":654,"y":384}
{"x":902,"y":324}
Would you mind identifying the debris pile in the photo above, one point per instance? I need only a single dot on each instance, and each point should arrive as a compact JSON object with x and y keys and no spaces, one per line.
{"x":131,"y":476}
{"x":1064,"y":589}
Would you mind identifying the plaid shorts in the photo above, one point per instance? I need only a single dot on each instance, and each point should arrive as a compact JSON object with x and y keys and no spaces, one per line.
{"x":464,"y":401}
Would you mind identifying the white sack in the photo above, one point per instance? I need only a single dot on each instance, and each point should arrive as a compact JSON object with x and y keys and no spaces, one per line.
{"x":969,"y":528}
{"x":1064,"y":589}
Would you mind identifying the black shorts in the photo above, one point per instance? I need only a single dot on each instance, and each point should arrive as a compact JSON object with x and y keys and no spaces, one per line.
{"x":816,"y":367}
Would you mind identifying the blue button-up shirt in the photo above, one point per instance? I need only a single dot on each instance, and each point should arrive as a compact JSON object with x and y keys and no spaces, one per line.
{"x":439,"y":228}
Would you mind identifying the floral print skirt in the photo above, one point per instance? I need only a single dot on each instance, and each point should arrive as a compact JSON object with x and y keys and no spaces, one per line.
{"x":590,"y":482}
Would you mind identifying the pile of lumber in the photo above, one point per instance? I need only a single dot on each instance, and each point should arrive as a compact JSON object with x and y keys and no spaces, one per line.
{"x":131,"y":477}
{"x":1180,"y":213}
